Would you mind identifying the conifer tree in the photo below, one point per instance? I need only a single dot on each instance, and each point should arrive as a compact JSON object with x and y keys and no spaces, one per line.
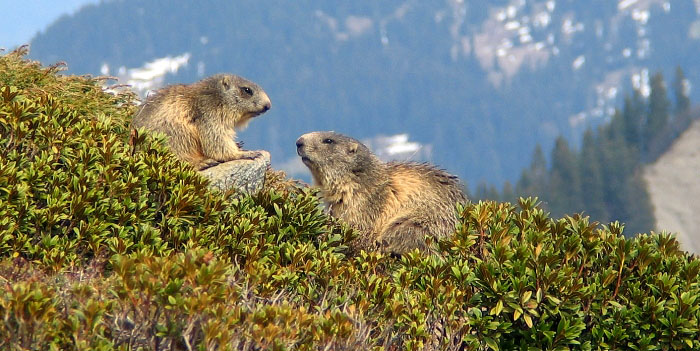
{"x":640,"y":214}
{"x":533,"y":181}
{"x":564,"y":182}
{"x":592,"y":179}
{"x":680,"y":90}
{"x":632,"y":117}
{"x":658,"y":115}
{"x":618,"y":162}
{"x":508,"y":193}
{"x":485,"y":191}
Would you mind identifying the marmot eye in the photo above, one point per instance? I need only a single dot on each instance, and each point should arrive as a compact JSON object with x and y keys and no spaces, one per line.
{"x":328,"y":141}
{"x":247,"y":90}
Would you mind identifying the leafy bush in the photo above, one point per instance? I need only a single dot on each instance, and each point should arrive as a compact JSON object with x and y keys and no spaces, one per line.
{"x":108,"y":242}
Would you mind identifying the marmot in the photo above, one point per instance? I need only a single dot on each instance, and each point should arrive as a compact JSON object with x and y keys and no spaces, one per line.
{"x":393,"y":205}
{"x":201,"y":119}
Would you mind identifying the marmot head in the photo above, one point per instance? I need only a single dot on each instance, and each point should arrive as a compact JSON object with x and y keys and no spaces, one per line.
{"x":245,"y":98}
{"x":332,"y":157}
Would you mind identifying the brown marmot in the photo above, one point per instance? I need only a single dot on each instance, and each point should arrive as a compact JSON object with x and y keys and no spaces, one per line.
{"x":393,"y":205}
{"x":201,"y":119}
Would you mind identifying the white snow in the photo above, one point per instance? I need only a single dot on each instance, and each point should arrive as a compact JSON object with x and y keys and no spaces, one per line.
{"x":641,"y":16}
{"x":624,"y":4}
{"x":512,"y":25}
{"x":151,"y":75}
{"x":542,"y":19}
{"x":526,"y":38}
{"x":501,"y":16}
{"x":511,"y":11}
{"x":640,"y":82}
{"x":568,"y":27}
{"x":550,"y":5}
{"x":398,"y":147}
{"x":158,"y":68}
{"x":402,"y":148}
{"x":578,"y":62}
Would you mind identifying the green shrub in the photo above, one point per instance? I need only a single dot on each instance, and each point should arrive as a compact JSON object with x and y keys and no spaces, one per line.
{"x":108,"y":242}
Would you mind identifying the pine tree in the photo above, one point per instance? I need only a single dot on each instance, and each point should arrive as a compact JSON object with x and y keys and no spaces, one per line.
{"x":486,"y":192}
{"x":533,"y":181}
{"x":616,"y":128}
{"x":658,"y":115}
{"x":618,"y":161}
{"x":632,"y":118}
{"x":640,"y":214}
{"x":592,"y":179}
{"x":680,"y":90}
{"x":564,"y":182}
{"x":508,"y":193}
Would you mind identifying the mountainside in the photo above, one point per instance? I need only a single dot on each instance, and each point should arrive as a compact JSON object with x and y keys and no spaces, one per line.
{"x":480,"y":83}
{"x":674,"y":189}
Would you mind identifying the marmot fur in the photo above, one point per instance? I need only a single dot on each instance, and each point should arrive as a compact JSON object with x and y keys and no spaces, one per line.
{"x":201,"y":119}
{"x":393,"y":205}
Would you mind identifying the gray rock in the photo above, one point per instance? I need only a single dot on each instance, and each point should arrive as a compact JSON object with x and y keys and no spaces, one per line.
{"x":247,"y":176}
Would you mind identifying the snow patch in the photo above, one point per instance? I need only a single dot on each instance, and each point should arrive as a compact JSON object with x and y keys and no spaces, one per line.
{"x":151,"y":75}
{"x":398,"y":147}
{"x":568,"y":27}
{"x":357,"y":26}
{"x":641,"y":16}
{"x":624,"y":4}
{"x":640,"y":82}
{"x":512,"y":25}
{"x":542,"y":20}
{"x":550,"y":5}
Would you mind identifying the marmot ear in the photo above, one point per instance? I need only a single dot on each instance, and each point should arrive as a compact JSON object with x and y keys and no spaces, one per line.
{"x":225,"y":82}
{"x":352,"y":148}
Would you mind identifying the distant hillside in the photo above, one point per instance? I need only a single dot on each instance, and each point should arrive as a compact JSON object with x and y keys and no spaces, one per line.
{"x":481,"y":82}
{"x":674,"y":187}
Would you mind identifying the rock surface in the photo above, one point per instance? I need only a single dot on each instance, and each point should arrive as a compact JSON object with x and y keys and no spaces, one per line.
{"x":247,"y":176}
{"x":673,"y":182}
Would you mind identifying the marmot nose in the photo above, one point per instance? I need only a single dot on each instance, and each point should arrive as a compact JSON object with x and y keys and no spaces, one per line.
{"x":300,"y":142}
{"x":266,"y":103}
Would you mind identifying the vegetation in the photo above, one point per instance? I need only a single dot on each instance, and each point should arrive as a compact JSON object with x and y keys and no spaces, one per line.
{"x":603,"y":177}
{"x":108,"y":242}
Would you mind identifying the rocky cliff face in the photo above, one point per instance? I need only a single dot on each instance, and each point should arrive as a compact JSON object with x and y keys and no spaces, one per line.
{"x":674,"y":187}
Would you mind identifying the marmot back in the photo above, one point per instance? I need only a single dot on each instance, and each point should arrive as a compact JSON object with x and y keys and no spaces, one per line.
{"x":393,"y":205}
{"x":201,"y":119}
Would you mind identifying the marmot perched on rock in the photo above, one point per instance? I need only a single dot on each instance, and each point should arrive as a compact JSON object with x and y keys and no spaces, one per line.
{"x":393,"y":205}
{"x":201,"y":119}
